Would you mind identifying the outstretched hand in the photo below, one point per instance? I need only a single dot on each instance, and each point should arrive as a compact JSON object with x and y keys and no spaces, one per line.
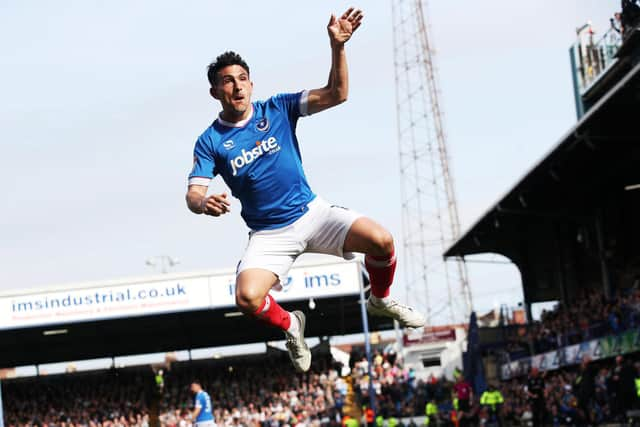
{"x":340,"y":30}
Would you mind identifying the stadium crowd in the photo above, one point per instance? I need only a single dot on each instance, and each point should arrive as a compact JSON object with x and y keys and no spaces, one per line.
{"x":587,"y":317}
{"x":398,"y":392}
{"x":282,"y":397}
{"x":258,"y":393}
{"x":594,"y":393}
{"x":591,"y":394}
{"x":264,"y":391}
{"x":113,"y":398}
{"x":252,"y":391}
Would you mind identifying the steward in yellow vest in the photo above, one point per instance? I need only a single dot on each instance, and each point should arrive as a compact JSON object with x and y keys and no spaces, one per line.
{"x":431,"y":411}
{"x":492,"y":398}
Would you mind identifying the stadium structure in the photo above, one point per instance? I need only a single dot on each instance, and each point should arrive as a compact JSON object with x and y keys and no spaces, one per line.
{"x":570,"y":225}
{"x":570,"y":222}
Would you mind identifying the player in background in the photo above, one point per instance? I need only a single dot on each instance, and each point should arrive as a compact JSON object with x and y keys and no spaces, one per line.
{"x":202,"y":414}
{"x":253,"y":146}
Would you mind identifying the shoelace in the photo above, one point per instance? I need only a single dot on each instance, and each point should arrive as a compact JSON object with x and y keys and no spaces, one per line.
{"x":392,"y":304}
{"x":406,"y":307}
{"x":293,"y":348}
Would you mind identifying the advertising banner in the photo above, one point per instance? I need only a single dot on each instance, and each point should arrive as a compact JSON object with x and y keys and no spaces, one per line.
{"x":104,"y":302}
{"x":176,"y":294}
{"x":600,"y":348}
{"x":302,"y":283}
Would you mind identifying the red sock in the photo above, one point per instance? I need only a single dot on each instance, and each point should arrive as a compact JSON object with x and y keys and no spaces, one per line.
{"x":381,"y":270}
{"x":274,"y":315}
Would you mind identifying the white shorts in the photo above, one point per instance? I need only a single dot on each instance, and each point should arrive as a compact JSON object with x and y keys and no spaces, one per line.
{"x":322,"y":229}
{"x":205,"y":424}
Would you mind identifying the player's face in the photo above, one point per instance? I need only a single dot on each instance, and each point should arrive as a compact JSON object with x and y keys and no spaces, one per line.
{"x":233,"y":89}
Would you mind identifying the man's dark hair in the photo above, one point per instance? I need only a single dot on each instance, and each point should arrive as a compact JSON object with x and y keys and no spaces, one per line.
{"x":224,"y":60}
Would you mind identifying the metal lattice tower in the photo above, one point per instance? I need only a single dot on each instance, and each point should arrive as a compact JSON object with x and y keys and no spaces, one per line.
{"x":429,"y":212}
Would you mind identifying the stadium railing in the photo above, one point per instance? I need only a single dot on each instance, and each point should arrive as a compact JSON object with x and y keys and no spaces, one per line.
{"x":592,"y":59}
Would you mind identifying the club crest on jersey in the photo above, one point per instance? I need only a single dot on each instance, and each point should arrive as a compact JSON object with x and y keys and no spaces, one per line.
{"x":267,"y":146}
{"x":263,"y":125}
{"x":228,"y":144}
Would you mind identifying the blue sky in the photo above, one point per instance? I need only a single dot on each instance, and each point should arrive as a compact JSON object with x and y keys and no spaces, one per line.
{"x":102,"y":102}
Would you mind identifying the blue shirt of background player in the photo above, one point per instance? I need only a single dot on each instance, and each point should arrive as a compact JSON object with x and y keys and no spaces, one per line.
{"x":259,"y":161}
{"x":203,"y":401}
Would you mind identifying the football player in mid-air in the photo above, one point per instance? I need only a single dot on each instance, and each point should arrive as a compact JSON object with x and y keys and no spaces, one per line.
{"x":253,"y":146}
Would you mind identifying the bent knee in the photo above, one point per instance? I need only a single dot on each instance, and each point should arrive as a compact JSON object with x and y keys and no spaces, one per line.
{"x":249,"y":299}
{"x":382,"y":243}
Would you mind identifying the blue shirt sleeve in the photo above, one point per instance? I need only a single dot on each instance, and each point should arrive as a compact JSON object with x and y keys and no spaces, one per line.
{"x":200,"y":401}
{"x":294,"y":104}
{"x":203,"y":164}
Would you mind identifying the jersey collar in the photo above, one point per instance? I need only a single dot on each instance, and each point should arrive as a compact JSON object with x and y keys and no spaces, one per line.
{"x":241,"y":123}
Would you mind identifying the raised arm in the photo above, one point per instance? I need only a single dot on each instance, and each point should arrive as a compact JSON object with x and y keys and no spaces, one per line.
{"x":337,"y":88}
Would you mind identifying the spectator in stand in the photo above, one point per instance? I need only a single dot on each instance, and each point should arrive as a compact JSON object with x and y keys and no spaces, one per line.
{"x":622,"y":387}
{"x":601,"y":399}
{"x":616,"y":23}
{"x":567,"y":406}
{"x":585,"y":390}
{"x":527,"y":416}
{"x":536,"y":395}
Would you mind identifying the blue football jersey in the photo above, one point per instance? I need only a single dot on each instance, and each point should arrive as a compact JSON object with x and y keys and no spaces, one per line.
{"x":259,"y":159}
{"x":203,"y":401}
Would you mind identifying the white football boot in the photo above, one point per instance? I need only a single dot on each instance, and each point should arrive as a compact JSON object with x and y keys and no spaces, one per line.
{"x":407,"y":316}
{"x":298,"y":350}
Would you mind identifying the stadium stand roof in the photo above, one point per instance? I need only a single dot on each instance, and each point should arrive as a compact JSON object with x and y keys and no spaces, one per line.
{"x":572,"y":220}
{"x":168,"y":312}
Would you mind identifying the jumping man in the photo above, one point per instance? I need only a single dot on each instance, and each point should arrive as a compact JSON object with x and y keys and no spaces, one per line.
{"x":255,"y":149}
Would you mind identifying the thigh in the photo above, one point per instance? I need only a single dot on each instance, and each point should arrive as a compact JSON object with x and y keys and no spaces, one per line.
{"x":366,"y":236}
{"x":330,"y":228}
{"x":272,"y":251}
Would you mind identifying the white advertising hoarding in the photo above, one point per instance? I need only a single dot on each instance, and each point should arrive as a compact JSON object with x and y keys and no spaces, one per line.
{"x":140,"y":298}
{"x":74,"y":305}
{"x":319,"y":281}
